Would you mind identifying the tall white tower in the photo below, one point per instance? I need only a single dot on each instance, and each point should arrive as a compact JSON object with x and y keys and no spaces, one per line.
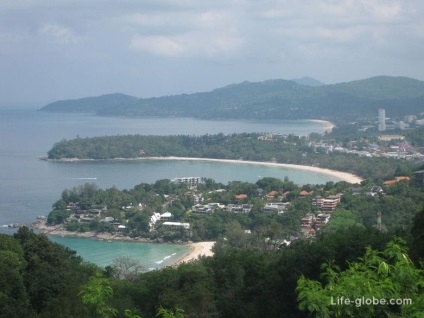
{"x":381,"y":119}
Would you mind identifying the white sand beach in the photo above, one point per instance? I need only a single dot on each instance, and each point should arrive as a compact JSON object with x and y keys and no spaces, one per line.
{"x":328,"y":125}
{"x":343,"y":176}
{"x":195,"y":251}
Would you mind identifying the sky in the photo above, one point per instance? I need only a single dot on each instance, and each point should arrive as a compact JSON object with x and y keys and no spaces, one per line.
{"x":64,"y":49}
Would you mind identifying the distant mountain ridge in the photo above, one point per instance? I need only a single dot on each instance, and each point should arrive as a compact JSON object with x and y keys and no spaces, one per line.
{"x":271,"y":99}
{"x":308,"y":81}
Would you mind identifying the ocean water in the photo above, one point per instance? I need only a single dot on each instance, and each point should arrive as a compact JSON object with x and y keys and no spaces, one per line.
{"x":102,"y":253}
{"x":29,"y":187}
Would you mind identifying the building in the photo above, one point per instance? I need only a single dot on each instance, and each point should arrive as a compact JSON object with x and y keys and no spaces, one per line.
{"x":328,"y":204}
{"x":396,"y":180}
{"x":271,"y":195}
{"x":177,"y":225}
{"x":321,"y":220}
{"x":193,"y":181}
{"x":305,"y":193}
{"x":239,"y":208}
{"x":201,"y":209}
{"x":381,"y":119}
{"x":391,"y":137}
{"x":306,"y":224}
{"x":159,"y":217}
{"x":278,"y":207}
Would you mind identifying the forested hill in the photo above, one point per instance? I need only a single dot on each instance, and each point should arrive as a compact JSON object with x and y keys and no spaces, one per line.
{"x":276,"y":99}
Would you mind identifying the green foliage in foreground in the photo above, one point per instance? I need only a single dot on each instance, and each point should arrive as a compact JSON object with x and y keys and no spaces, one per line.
{"x":43,"y":279}
{"x":380,"y":284}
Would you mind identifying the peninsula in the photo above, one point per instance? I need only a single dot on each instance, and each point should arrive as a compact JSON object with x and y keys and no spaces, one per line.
{"x":311,"y":152}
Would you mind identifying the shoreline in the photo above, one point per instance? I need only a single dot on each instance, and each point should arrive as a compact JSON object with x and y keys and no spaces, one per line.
{"x":328,"y":125}
{"x":343,"y":176}
{"x":195,"y":249}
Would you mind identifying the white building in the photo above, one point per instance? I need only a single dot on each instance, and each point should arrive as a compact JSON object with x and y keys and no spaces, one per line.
{"x":381,"y":119}
{"x":188,"y":180}
{"x":177,"y":225}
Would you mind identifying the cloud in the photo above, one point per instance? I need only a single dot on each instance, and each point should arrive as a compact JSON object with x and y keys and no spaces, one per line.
{"x":153,"y":44}
{"x":58,"y":33}
{"x":160,"y":45}
{"x":193,"y":44}
{"x":207,"y":34}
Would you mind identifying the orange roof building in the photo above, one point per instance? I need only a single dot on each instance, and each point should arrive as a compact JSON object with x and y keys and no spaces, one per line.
{"x":241,"y":196}
{"x":271,"y":195}
{"x":396,"y":180}
{"x":304,"y":193}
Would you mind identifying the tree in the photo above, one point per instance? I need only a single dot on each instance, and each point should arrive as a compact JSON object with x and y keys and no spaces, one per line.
{"x":97,"y":293}
{"x":417,"y":233}
{"x":13,"y":298}
{"x":368,"y":287}
{"x":125,"y":267}
{"x":166,"y":313}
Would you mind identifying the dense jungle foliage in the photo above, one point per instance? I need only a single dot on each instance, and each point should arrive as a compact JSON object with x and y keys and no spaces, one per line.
{"x":43,"y":279}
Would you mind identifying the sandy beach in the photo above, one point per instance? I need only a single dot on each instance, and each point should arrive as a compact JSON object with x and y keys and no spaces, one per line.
{"x":343,"y":176}
{"x":195,"y":251}
{"x":328,"y":125}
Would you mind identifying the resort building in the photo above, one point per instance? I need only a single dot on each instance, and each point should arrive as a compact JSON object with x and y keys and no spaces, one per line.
{"x":278,"y":207}
{"x":159,"y":217}
{"x":193,"y":181}
{"x":328,"y":204}
{"x":321,"y":219}
{"x":201,"y":209}
{"x":186,"y":226}
{"x":206,"y":208}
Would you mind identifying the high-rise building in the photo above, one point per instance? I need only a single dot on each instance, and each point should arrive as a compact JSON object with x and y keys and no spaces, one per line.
{"x":381,"y":119}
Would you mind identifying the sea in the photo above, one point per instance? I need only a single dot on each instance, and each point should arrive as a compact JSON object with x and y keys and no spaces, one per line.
{"x":29,"y":186}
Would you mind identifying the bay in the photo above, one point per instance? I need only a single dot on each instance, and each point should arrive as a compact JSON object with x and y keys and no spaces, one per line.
{"x":102,"y":253}
{"x":28,"y":186}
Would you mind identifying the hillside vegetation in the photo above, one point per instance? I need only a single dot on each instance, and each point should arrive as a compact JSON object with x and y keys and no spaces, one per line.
{"x":282,"y":149}
{"x":276,"y":99}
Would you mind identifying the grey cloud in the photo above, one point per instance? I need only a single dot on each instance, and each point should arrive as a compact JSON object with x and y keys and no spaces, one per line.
{"x":147,"y":47}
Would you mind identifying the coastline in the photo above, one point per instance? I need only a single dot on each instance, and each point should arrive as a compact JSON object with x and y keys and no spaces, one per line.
{"x":195,"y":249}
{"x":343,"y":176}
{"x":328,"y":125}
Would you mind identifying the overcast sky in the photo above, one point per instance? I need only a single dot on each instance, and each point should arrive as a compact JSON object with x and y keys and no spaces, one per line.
{"x":61,"y":49}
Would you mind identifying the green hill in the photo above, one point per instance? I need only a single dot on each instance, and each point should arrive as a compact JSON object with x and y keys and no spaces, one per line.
{"x":272,"y":99}
{"x":90,"y":104}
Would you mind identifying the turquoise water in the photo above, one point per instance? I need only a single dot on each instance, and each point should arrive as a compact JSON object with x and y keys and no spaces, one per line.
{"x":29,"y":187}
{"x":102,"y":253}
